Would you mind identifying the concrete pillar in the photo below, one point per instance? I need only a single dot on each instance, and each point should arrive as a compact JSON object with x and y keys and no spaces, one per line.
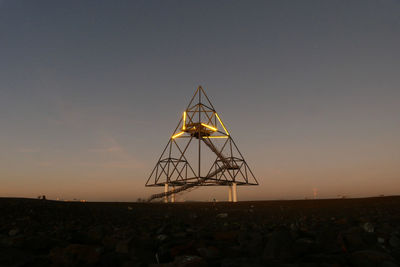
{"x":230,"y":193}
{"x":234,"y":192}
{"x":165,"y":191}
{"x":173,"y":195}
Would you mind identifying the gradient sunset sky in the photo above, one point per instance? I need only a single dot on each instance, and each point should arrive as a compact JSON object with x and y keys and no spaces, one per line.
{"x":90,"y":92}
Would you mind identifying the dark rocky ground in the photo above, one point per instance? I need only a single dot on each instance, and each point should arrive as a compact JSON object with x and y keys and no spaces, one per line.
{"x":343,"y":232}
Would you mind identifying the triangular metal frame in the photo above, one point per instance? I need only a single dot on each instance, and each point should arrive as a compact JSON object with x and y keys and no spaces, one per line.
{"x":200,"y":122}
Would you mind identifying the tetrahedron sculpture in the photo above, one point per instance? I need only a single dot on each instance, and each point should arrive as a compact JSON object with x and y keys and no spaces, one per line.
{"x":200,"y":152}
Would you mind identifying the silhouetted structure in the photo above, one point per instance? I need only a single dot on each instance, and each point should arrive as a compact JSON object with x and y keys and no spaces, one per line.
{"x":200,"y":122}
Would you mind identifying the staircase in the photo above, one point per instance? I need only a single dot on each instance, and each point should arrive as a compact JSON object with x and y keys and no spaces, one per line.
{"x":226,"y":165}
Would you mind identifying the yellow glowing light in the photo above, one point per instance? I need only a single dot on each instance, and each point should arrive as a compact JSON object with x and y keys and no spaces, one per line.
{"x":177,"y":135}
{"x":221,"y":123}
{"x":184,"y":121}
{"x":217,"y":136}
{"x":209,"y":127}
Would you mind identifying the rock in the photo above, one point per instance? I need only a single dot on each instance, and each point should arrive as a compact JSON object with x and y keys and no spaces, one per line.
{"x":208,"y":252}
{"x":193,"y":216}
{"x":163,"y":254}
{"x":96,"y":233}
{"x":80,"y":237}
{"x":122,"y":247}
{"x":75,"y":254}
{"x":370,"y":239}
{"x":246,"y":262}
{"x":381,"y":240}
{"x":353,"y":239}
{"x":222,"y":215}
{"x":369,"y":258}
{"x":328,"y":241}
{"x":39,"y":261}
{"x":13,"y":232}
{"x":180,"y":235}
{"x":279,"y":246}
{"x":341,"y":221}
{"x":14,"y":257}
{"x":111,"y":259}
{"x":4,"y":240}
{"x":294,"y":226}
{"x":251,"y":242}
{"x":229,"y":236}
{"x":17,"y":241}
{"x":109,"y":242}
{"x":368,"y":227}
{"x":183,"y":249}
{"x":323,"y":260}
{"x":162,"y":237}
{"x":162,"y":229}
{"x":389,"y":264}
{"x":133,"y":263}
{"x":189,"y":261}
{"x":41,"y":244}
{"x":394,"y":241}
{"x":303,"y":246}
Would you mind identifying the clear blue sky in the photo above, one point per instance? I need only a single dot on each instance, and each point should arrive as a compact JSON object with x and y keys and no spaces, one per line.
{"x":90,"y":92}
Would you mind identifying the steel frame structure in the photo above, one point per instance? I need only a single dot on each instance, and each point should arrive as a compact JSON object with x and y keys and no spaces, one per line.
{"x":200,"y":122}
